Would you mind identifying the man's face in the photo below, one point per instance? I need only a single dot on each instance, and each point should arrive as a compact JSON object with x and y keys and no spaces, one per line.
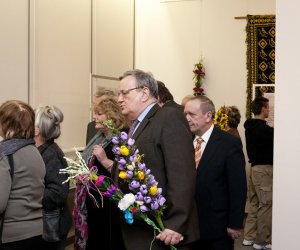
{"x":130,"y":98}
{"x":199,"y":123}
{"x":266,"y":110}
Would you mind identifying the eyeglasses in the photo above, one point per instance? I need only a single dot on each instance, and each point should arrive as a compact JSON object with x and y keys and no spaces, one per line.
{"x":126,"y":91}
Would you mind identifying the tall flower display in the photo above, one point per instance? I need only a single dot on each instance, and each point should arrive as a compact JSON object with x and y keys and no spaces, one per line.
{"x":199,"y":75}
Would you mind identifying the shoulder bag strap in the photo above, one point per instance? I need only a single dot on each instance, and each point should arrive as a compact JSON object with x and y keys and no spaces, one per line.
{"x":12,"y":169}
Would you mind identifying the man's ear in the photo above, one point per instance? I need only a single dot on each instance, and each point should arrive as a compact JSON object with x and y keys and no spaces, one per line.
{"x":209,"y":115}
{"x":146,"y":94}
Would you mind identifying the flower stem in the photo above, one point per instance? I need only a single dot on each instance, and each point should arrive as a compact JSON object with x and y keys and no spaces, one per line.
{"x":162,"y":227}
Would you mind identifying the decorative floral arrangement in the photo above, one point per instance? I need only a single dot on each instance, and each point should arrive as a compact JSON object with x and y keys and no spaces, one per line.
{"x":145,"y":198}
{"x":199,"y":75}
{"x":221,"y":118}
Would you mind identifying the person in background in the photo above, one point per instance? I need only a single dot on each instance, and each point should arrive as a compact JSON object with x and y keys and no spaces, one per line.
{"x":221,"y":178}
{"x":47,"y":129}
{"x":165,"y":98}
{"x":185,"y":99}
{"x":259,"y":146}
{"x":103,"y":222}
{"x":160,"y":134}
{"x":101,"y":93}
{"x":234,"y":118}
{"x":21,"y":191}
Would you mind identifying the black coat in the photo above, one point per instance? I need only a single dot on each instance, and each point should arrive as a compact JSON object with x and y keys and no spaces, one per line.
{"x":221,"y":186}
{"x":56,"y":193}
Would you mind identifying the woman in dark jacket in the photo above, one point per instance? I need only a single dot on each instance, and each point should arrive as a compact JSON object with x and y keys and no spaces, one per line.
{"x":47,"y":129}
{"x":102,"y":222}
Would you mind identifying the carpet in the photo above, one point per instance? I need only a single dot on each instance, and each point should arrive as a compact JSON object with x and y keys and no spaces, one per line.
{"x":260,"y":56}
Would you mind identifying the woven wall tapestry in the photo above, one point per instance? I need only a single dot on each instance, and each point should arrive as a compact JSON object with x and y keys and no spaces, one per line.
{"x":260,"y":57}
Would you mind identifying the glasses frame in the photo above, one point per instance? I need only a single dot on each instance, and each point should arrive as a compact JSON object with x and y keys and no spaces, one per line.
{"x":125,"y":92}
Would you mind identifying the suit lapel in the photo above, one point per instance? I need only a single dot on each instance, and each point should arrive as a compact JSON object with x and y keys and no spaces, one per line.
{"x":145,"y":121}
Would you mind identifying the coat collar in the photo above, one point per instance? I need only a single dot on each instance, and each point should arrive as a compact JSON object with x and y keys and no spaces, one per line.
{"x":145,"y":121}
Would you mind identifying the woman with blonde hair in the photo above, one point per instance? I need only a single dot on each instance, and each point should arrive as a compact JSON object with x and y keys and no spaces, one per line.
{"x":99,"y":225}
{"x":22,"y":173}
{"x":47,"y":129}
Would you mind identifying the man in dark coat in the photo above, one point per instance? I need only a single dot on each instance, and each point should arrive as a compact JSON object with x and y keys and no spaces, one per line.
{"x":165,"y":98}
{"x":163,"y":136}
{"x":221,"y":178}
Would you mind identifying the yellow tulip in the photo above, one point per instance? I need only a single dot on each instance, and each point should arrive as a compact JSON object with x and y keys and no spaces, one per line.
{"x":124,"y":150}
{"x":122,"y":175}
{"x":140,"y":175}
{"x":139,"y":158}
{"x":153,"y":190}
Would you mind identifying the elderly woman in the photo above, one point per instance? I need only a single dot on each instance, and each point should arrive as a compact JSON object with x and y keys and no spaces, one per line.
{"x":47,"y":129}
{"x":102,"y":226}
{"x":22,"y":172}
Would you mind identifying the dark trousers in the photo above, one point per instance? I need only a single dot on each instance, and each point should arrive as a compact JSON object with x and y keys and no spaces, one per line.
{"x":34,"y":243}
{"x":216,"y":244}
{"x":60,"y":245}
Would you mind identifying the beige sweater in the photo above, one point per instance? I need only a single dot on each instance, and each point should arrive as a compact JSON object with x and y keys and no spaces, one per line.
{"x":22,"y":199}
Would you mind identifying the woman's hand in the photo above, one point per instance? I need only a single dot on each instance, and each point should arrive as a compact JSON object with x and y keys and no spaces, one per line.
{"x":101,"y":156}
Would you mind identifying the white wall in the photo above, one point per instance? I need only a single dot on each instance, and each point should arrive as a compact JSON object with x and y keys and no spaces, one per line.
{"x":286,"y":204}
{"x":14,"y":50}
{"x":172,"y":36}
{"x":61,"y":62}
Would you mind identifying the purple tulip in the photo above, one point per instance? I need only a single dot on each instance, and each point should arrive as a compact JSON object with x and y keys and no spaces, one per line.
{"x":122,"y":161}
{"x":135,"y":184}
{"x":159,"y":191}
{"x":148,"y":171}
{"x":130,"y":142}
{"x":147,"y":199}
{"x":141,"y":166}
{"x":120,"y":167}
{"x":116,"y":150}
{"x":129,"y":174}
{"x":139,"y":196}
{"x":161,"y":200}
{"x":132,"y":158}
{"x":123,"y":135}
{"x":143,"y":189}
{"x":144,"y":209}
{"x":115,"y":140}
{"x":154,"y":205}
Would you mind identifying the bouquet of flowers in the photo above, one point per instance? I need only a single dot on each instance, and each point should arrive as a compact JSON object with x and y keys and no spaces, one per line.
{"x":145,"y":198}
{"x":199,"y":75}
{"x":221,"y":118}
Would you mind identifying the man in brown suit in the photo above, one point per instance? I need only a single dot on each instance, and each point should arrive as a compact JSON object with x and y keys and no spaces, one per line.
{"x":163,"y":136}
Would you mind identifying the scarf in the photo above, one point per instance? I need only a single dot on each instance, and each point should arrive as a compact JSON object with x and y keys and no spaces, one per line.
{"x":10,"y":146}
{"x":81,"y":193}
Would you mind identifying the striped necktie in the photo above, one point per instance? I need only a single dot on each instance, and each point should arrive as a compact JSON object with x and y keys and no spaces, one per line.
{"x":198,"y":141}
{"x":132,"y":128}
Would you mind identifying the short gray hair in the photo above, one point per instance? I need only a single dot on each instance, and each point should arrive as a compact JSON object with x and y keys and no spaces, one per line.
{"x":206,"y":104}
{"x":143,"y":79}
{"x":47,"y":120}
